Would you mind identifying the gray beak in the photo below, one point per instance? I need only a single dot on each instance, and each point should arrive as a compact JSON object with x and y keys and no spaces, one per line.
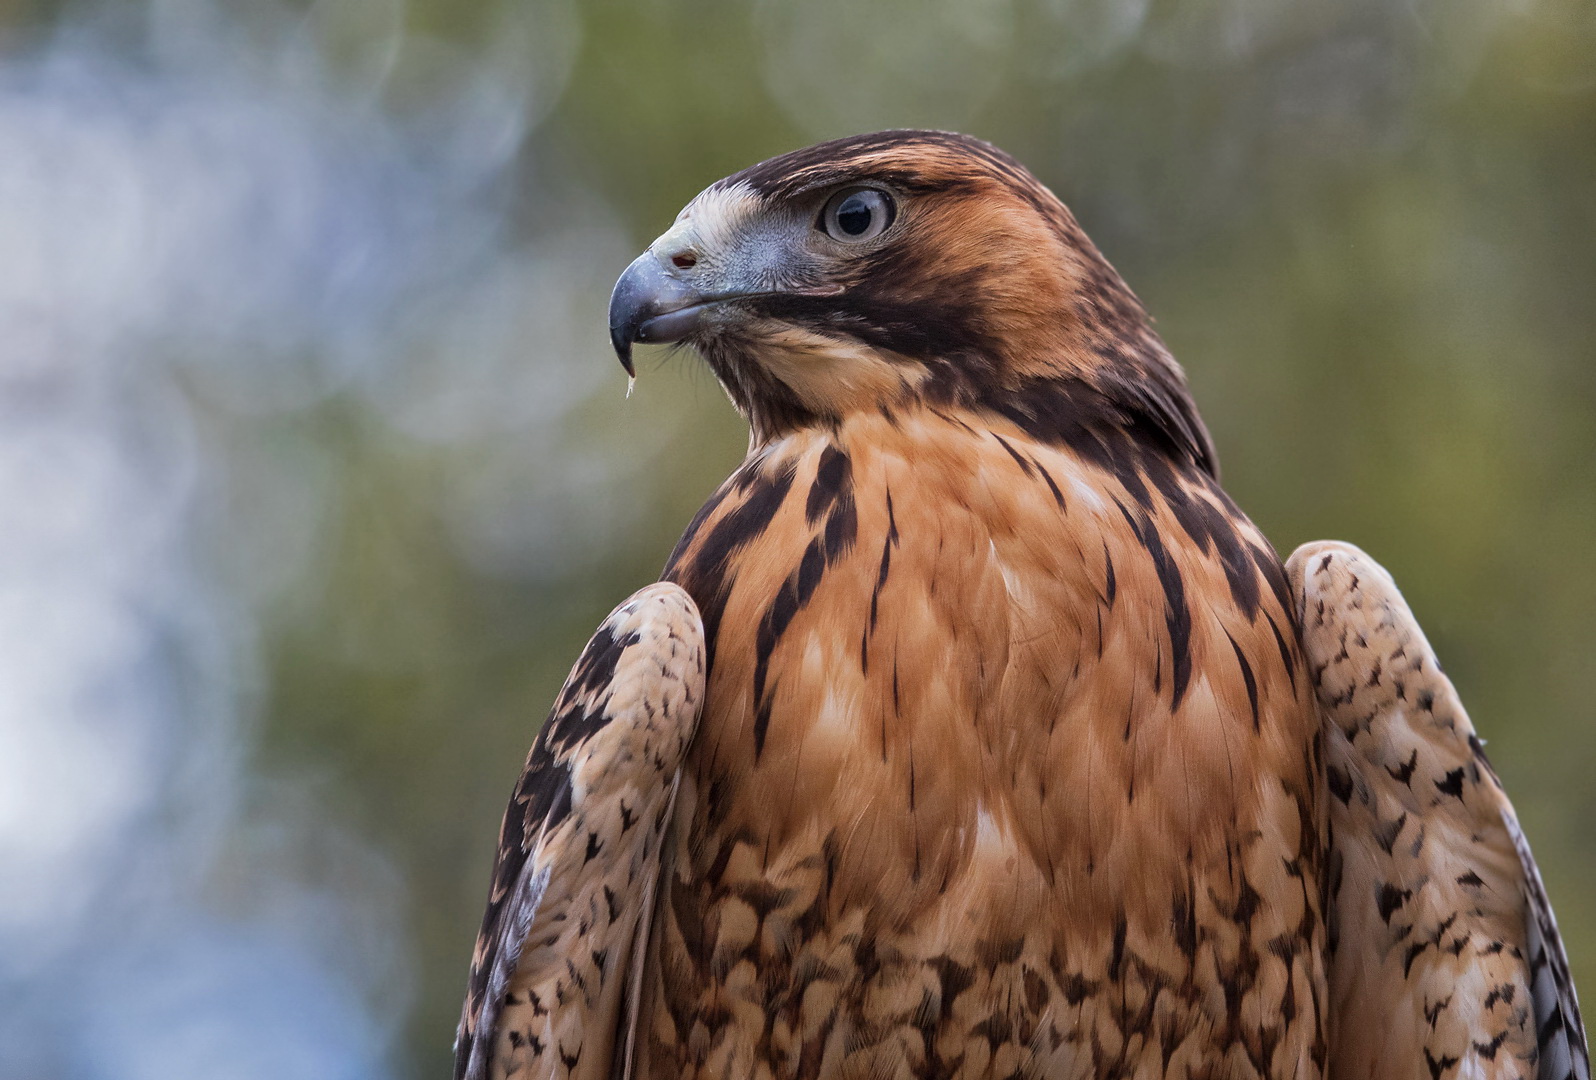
{"x":651,"y":305}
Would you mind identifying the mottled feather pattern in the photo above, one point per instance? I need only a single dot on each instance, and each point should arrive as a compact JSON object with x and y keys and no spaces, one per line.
{"x":1445,"y":958}
{"x":579,"y":851}
{"x":1003,"y":772}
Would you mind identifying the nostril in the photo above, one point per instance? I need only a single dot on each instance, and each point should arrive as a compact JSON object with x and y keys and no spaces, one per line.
{"x":685,"y":261}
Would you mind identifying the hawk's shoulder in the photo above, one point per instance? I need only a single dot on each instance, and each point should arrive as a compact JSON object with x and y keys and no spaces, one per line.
{"x":579,"y":850}
{"x":1445,"y":953}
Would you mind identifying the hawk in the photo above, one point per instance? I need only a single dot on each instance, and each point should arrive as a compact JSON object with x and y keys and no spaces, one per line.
{"x":974,"y":731}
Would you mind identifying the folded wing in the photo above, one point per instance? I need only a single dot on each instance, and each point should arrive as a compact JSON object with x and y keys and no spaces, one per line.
{"x":1445,"y":957}
{"x":579,"y":851}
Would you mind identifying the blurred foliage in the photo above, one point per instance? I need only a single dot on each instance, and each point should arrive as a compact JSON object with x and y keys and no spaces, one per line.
{"x":1368,"y":230}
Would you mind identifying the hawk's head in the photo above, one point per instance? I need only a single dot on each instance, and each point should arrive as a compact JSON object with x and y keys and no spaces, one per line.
{"x":878,"y":270}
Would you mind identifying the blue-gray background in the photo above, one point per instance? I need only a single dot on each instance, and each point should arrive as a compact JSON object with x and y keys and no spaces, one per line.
{"x":316,"y":471}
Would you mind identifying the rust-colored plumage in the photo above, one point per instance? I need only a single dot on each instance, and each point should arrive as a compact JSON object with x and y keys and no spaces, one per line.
{"x":1009,"y":762}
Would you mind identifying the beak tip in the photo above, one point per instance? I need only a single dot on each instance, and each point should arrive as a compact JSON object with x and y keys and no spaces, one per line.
{"x":644,"y":299}
{"x":621,"y":342}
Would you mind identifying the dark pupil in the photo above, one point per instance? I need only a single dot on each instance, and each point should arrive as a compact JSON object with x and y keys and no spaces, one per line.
{"x":853,"y":216}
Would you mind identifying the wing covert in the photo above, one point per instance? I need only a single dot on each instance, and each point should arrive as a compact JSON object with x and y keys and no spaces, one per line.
{"x":1445,"y":960}
{"x":579,"y":850}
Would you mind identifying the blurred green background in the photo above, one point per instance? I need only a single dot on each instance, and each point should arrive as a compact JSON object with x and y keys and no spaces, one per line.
{"x":318,"y":470}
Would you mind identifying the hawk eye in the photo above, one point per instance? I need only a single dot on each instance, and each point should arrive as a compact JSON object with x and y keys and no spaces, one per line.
{"x":856,"y":214}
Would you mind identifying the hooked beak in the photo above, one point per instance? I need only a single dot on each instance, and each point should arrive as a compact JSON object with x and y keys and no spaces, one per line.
{"x":650,"y":305}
